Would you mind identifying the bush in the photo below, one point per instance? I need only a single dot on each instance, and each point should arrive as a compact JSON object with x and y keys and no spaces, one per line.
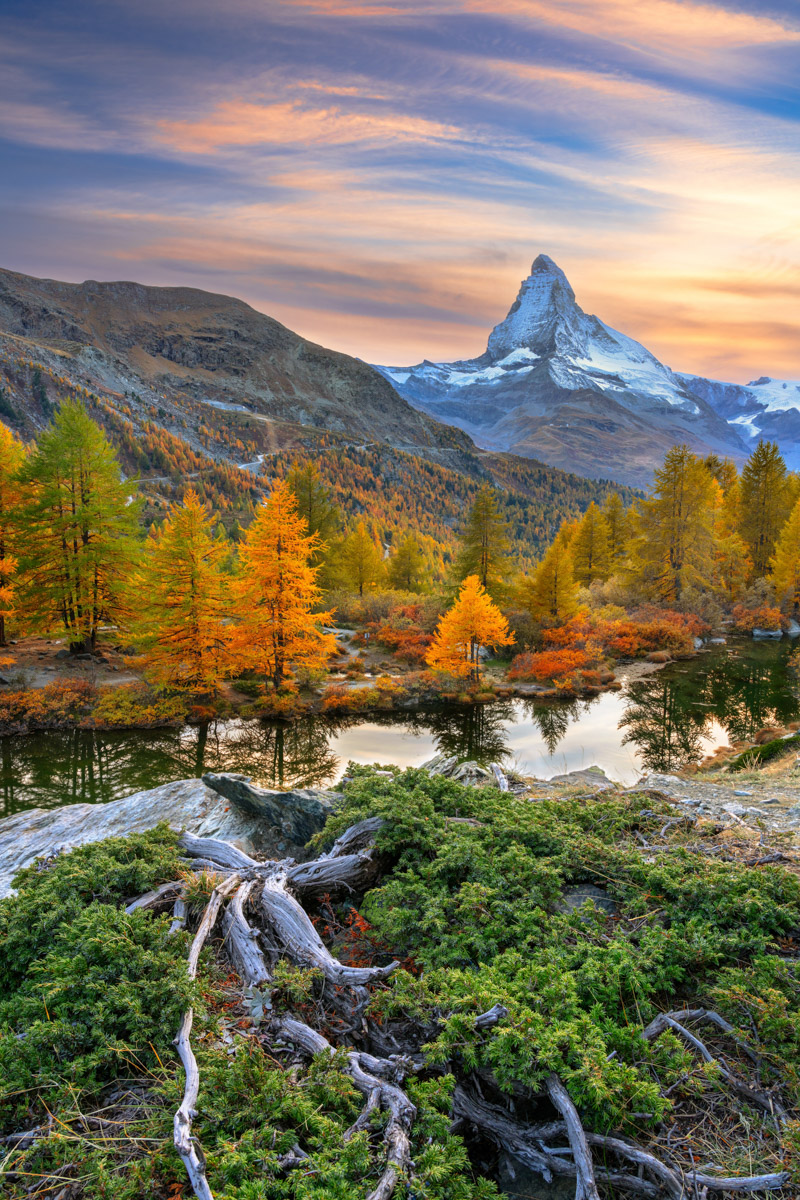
{"x":134,"y":706}
{"x":548,"y":665}
{"x":52,"y":707}
{"x":763,"y":616}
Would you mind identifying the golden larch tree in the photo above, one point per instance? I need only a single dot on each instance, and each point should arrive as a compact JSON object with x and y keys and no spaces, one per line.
{"x":275,"y":592}
{"x":12,"y":454}
{"x":764,"y":497}
{"x":591,"y":558}
{"x":549,"y":594}
{"x":360,"y":564}
{"x":183,"y":597}
{"x":473,"y":621}
{"x":786,"y":564}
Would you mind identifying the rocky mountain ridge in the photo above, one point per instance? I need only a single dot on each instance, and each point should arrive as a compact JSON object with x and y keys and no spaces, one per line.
{"x":560,"y":384}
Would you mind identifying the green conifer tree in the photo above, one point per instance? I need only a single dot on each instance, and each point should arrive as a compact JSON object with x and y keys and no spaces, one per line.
{"x":79,"y":520}
{"x":764,"y":504}
{"x":485,"y":545}
{"x":549,"y":594}
{"x":408,"y":566}
{"x":619,"y":530}
{"x":786,"y":564}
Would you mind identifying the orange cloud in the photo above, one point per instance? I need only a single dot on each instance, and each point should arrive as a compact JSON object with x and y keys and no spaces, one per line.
{"x":241,"y":122}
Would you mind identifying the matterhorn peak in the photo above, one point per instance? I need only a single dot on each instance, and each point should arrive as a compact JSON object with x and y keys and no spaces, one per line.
{"x":544,"y":307}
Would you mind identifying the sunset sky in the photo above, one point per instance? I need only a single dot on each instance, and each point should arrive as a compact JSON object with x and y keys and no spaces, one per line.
{"x":379,"y":175}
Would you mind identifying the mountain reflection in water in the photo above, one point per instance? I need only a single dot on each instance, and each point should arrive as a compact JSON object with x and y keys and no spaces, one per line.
{"x":660,"y":722}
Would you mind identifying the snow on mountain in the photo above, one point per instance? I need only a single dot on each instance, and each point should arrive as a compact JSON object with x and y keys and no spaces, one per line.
{"x":559,"y":384}
{"x":764,"y":408}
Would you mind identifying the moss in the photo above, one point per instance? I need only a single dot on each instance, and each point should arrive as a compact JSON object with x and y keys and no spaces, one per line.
{"x":756,"y":756}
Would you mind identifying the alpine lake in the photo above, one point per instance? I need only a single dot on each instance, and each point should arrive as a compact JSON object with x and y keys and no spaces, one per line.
{"x":660,"y":721}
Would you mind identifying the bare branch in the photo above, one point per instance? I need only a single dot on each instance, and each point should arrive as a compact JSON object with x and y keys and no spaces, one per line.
{"x":585,"y":1185}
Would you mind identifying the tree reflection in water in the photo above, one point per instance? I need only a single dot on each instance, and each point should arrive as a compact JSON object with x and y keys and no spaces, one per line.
{"x":744,"y":689}
{"x":669,"y":713}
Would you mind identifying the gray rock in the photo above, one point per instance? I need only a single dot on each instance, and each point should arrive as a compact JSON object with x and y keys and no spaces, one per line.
{"x":762,"y":634}
{"x":520,"y":1182}
{"x":580,"y":893}
{"x":594,"y":777}
{"x":185,"y":804}
{"x":717,"y":642}
{"x":793,"y":629}
{"x":62,"y":653}
{"x":299,"y":814}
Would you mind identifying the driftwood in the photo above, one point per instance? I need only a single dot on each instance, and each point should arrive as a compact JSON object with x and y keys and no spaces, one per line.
{"x":273,"y":893}
{"x":182,"y":1123}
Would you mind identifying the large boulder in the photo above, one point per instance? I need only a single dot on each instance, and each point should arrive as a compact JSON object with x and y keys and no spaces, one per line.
{"x":299,"y":813}
{"x":185,"y":804}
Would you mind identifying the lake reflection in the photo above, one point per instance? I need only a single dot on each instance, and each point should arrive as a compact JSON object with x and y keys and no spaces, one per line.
{"x":660,"y":722}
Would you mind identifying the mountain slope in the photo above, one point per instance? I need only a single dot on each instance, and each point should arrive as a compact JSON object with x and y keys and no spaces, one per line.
{"x":182,"y":344}
{"x":766,"y":408}
{"x":562,"y":385}
{"x":196,"y":387}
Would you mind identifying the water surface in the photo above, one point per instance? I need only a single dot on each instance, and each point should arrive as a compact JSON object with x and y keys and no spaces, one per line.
{"x":659,"y":722}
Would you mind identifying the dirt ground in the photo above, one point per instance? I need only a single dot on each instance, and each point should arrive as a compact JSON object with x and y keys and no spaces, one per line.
{"x":35,"y":663}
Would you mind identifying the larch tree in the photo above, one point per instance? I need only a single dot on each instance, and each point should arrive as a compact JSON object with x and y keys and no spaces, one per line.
{"x":473,"y":621}
{"x":786,"y":564}
{"x":591,"y":558}
{"x":618,"y":524}
{"x":549,"y":594}
{"x":360,"y":564}
{"x":80,"y":524}
{"x":408,"y":566}
{"x":673,"y":548}
{"x":183,"y":599}
{"x":314,"y":505}
{"x":764,"y":501}
{"x":485,"y":545}
{"x":12,"y":455}
{"x":275,"y":593}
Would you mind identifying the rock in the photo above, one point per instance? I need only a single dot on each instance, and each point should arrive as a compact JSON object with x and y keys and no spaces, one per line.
{"x":717,"y":641}
{"x":767,"y":633}
{"x":698,"y":643}
{"x":299,"y":814}
{"x":581,"y":893}
{"x":594,"y":777}
{"x":62,"y":653}
{"x":520,"y":1182}
{"x":184,"y":804}
{"x":793,"y":629}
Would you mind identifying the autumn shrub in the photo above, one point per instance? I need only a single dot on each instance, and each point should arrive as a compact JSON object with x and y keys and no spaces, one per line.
{"x":135,"y":706}
{"x":282,"y":705}
{"x":764,"y":616}
{"x":546,"y":666}
{"x":340,"y":699}
{"x":404,"y":634}
{"x":65,"y":703}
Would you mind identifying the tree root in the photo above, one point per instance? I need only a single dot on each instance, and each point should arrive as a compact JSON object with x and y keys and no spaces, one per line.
{"x":585,"y":1186}
{"x":675,"y":1021}
{"x":185,"y":1144}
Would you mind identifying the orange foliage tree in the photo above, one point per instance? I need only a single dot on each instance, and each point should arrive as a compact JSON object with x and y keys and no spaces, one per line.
{"x":11,"y":456}
{"x":472,"y":622}
{"x":275,"y":591}
{"x":183,"y":598}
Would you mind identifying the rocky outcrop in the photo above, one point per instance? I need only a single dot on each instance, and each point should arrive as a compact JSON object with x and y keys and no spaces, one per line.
{"x":298,"y":814}
{"x":187,"y":804}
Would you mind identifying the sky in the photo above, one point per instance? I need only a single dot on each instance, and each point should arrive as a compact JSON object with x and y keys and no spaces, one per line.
{"x":379,"y":174}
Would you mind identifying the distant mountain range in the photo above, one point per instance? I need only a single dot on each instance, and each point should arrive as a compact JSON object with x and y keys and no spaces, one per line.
{"x":560,"y":385}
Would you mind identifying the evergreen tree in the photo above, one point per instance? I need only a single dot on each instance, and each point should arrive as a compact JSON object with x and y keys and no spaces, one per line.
{"x":591,"y":558}
{"x":12,"y":455}
{"x":619,"y":530}
{"x":314,"y":504}
{"x":549,"y":594}
{"x":360,"y":562}
{"x":184,"y":602}
{"x":673,"y":549}
{"x":765,"y":496}
{"x":472,"y":622}
{"x":79,"y":523}
{"x":786,"y":564}
{"x":408,"y":566}
{"x":485,"y":544}
{"x":275,"y":593}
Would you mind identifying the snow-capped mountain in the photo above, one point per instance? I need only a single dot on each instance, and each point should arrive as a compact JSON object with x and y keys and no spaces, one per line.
{"x":560,"y":385}
{"x":766,"y":408}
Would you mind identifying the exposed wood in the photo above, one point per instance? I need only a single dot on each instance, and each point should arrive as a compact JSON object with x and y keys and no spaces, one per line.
{"x":489,"y":1019}
{"x":178,"y":915}
{"x":185,"y":1144}
{"x":585,"y":1185}
{"x":301,"y":941}
{"x":357,"y":837}
{"x":660,"y":1023}
{"x":219,"y":852}
{"x":500,"y":776}
{"x":346,"y":873}
{"x":241,"y":941}
{"x":151,"y":898}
